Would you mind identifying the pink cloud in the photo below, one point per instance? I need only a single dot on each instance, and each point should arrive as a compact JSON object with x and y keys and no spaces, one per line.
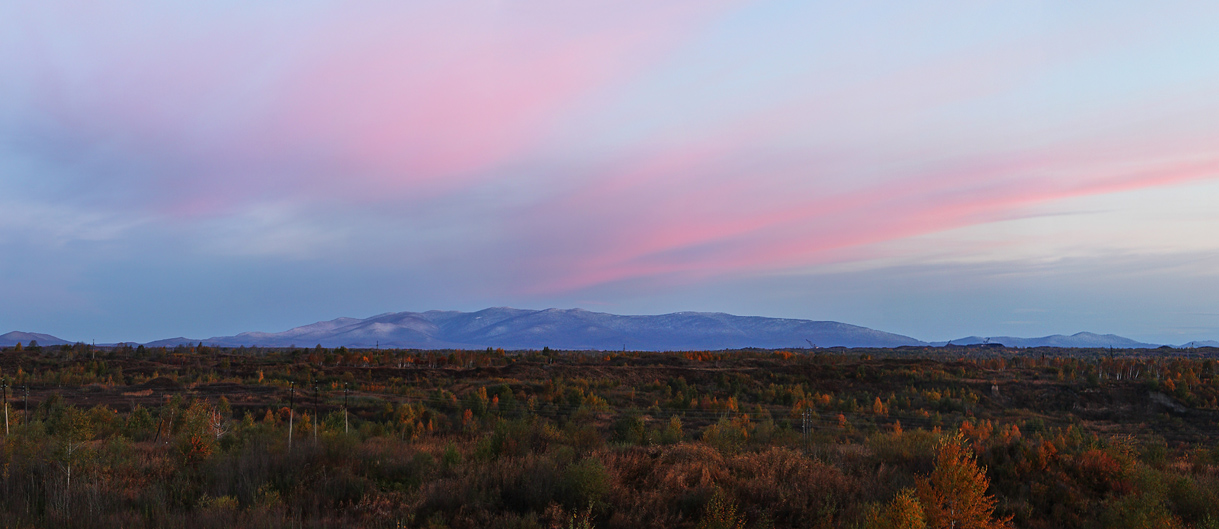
{"x":725,"y":200}
{"x":396,"y":103}
{"x":453,"y":97}
{"x":398,"y":99}
{"x":722,"y":234}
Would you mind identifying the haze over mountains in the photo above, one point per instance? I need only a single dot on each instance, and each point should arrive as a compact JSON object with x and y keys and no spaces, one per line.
{"x":511,"y":328}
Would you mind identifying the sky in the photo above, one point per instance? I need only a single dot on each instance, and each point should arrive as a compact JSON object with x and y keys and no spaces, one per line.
{"x":936,"y":169}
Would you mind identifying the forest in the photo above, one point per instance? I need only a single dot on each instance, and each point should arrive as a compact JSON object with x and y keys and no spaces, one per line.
{"x":953,"y":437}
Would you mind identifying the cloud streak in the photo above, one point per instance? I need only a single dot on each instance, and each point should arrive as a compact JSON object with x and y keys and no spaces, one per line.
{"x":409,"y":100}
{"x":709,"y":232}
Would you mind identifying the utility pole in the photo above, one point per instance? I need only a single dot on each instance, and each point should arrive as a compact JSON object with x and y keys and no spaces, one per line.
{"x":291,"y":414}
{"x":25,"y":407}
{"x":316,"y":416}
{"x":806,"y":419}
{"x":345,"y":391}
{"x":4,"y":390}
{"x":163,"y":423}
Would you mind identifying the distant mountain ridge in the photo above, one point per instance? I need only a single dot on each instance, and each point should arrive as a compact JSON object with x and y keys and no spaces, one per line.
{"x":1079,"y":339}
{"x":24,"y":338}
{"x":512,"y":328}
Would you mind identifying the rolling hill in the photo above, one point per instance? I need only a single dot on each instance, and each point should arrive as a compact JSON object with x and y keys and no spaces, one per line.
{"x":24,"y":338}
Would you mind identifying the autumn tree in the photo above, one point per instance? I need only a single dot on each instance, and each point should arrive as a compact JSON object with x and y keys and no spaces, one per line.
{"x":954,"y":495}
{"x":721,"y":513}
{"x":74,"y":431}
{"x":904,"y":512}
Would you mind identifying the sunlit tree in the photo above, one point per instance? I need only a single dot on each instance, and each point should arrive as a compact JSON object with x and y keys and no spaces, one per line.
{"x":904,"y":512}
{"x":954,"y":495}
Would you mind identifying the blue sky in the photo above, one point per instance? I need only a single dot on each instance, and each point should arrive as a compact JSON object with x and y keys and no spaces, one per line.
{"x":937,"y":170}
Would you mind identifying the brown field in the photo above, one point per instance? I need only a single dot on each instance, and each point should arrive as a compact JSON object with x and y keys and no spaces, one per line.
{"x":198,"y":437}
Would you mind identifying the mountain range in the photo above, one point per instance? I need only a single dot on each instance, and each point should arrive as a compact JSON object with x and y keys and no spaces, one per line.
{"x":18,"y":337}
{"x":1080,"y":339}
{"x":511,"y":328}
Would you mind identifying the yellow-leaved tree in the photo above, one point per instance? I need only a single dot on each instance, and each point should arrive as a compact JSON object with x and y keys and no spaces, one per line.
{"x":954,"y":495}
{"x":904,"y":512}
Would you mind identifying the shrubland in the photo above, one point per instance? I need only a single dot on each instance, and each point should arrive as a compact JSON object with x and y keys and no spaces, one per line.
{"x":923,"y":438}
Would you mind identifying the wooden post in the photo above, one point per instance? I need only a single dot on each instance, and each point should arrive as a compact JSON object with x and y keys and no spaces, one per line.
{"x":4,"y":389}
{"x":291,"y":411}
{"x":160,"y":424}
{"x":316,"y":416}
{"x":345,"y":391}
{"x":163,"y":423}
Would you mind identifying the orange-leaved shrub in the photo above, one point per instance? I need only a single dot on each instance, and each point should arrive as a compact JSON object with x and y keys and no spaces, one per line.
{"x":954,"y":495}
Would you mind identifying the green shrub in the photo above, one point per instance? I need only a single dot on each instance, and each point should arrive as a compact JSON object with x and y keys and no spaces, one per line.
{"x":451,"y":457}
{"x":629,"y":429}
{"x":585,"y":482}
{"x":727,"y":436}
{"x":672,"y":433}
